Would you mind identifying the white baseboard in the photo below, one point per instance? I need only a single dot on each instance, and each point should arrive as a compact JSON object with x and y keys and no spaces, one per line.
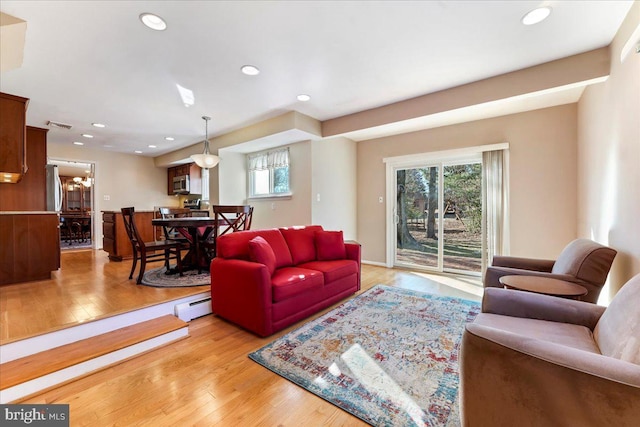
{"x":379,"y":264}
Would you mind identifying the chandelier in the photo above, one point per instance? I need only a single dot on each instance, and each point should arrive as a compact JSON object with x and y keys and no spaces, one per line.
{"x":206,"y":160}
{"x":86,"y":182}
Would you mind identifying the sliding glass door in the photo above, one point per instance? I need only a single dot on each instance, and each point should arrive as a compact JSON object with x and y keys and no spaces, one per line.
{"x":438,"y":216}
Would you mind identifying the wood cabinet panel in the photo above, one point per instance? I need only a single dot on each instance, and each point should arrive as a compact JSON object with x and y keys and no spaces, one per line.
{"x":29,"y":247}
{"x":13,"y":135}
{"x":77,"y":197}
{"x":115,"y":240}
{"x":195,"y":177}
{"x":30,"y":193}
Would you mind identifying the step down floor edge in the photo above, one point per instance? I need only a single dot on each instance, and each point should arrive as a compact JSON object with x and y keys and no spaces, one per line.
{"x":100,"y":360}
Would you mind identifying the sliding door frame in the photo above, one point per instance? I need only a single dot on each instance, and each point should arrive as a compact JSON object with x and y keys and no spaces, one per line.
{"x":392,"y":164}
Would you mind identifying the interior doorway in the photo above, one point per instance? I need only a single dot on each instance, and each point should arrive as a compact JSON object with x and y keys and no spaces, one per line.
{"x":75,"y":200}
{"x":438,"y":215}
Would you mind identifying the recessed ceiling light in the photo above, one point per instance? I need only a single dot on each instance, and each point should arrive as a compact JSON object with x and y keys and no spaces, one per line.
{"x":153,"y":21}
{"x":536,"y":15}
{"x":304,"y":98}
{"x":107,"y":146}
{"x":250,"y":70}
{"x":138,"y":152}
{"x":98,"y":125}
{"x":152,"y":146}
{"x":169,"y":138}
{"x":86,"y":135}
{"x":78,"y":143}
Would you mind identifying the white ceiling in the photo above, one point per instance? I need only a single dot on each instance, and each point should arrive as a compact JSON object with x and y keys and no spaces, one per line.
{"x":93,"y":61}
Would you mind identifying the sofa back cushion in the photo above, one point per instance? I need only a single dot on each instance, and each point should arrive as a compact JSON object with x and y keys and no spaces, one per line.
{"x":236,"y":245}
{"x":260,"y":251}
{"x":585,"y":260}
{"x":301,"y":241}
{"x":330,"y":245}
{"x":618,"y":330}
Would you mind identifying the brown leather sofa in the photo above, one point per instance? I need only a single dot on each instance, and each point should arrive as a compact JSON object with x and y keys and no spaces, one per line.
{"x":582,"y":261}
{"x":538,"y":360}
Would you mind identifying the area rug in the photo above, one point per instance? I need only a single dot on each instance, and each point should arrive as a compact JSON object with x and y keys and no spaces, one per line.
{"x":388,"y":356}
{"x":159,"y":279}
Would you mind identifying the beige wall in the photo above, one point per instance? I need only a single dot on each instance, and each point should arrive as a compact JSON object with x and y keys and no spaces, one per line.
{"x":609,"y":159}
{"x":333,"y":180}
{"x":128,"y":180}
{"x":543,"y":151}
{"x":296,"y":210}
{"x":232,"y":173}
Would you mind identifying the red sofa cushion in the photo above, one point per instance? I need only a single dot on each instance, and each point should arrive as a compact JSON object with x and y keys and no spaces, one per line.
{"x":260,"y":251}
{"x":236,"y":245}
{"x":301,"y":241}
{"x":291,"y":281}
{"x":330,"y":245}
{"x":333,"y":270}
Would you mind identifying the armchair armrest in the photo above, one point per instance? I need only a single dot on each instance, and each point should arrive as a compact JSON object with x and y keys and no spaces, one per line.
{"x":493,"y":274}
{"x":506,"y":377}
{"x":523,"y":263}
{"x":530,"y":305}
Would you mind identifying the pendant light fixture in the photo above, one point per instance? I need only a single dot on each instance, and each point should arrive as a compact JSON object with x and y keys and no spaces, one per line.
{"x":206,"y":160}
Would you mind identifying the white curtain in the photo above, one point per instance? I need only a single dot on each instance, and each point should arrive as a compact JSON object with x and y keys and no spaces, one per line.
{"x":205,"y":184}
{"x":269,"y":160}
{"x":495,"y":186}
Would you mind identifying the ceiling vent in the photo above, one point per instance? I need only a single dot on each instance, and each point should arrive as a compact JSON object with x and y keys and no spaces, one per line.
{"x":58,"y":125}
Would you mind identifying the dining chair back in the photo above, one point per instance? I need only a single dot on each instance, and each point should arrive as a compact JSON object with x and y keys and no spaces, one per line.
{"x":170,"y":233}
{"x":229,"y":219}
{"x":163,"y":250}
{"x":232,"y":218}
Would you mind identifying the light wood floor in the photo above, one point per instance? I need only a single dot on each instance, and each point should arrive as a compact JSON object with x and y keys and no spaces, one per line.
{"x":206,"y":379}
{"x":87,"y":287}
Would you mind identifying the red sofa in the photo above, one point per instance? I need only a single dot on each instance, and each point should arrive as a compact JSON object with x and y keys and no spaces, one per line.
{"x":265,"y":280}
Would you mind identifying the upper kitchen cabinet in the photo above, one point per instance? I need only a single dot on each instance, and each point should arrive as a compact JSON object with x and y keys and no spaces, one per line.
{"x":30,"y":194}
{"x":13,"y":138}
{"x":176,"y":175}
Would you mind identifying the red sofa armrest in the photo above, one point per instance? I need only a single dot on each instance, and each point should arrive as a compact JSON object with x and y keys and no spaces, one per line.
{"x":241,"y":292}
{"x":354,"y":253}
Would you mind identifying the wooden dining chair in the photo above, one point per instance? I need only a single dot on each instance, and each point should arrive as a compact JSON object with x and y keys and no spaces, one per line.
{"x":163,"y":250}
{"x":170,"y":233}
{"x":229,"y":219}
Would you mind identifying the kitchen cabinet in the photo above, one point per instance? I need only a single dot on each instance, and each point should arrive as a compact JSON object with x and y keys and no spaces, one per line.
{"x":30,"y":194}
{"x":13,"y":138}
{"x":195,"y":177}
{"x":29,"y":246}
{"x":114,"y":236}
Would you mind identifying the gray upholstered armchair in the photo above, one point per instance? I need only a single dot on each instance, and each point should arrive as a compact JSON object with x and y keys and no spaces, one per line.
{"x":582,"y":261}
{"x":537,"y":360}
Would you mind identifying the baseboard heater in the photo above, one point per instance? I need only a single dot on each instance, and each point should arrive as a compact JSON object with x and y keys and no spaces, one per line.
{"x":193,"y":309}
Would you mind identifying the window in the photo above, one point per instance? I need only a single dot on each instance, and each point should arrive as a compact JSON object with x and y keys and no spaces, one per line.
{"x":205,"y":184}
{"x":269,"y":173}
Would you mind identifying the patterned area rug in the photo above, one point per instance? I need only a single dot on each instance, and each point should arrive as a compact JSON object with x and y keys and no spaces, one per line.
{"x":388,"y":356}
{"x":158,"y":279}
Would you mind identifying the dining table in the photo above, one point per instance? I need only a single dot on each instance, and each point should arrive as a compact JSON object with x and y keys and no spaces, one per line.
{"x":196,"y":231}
